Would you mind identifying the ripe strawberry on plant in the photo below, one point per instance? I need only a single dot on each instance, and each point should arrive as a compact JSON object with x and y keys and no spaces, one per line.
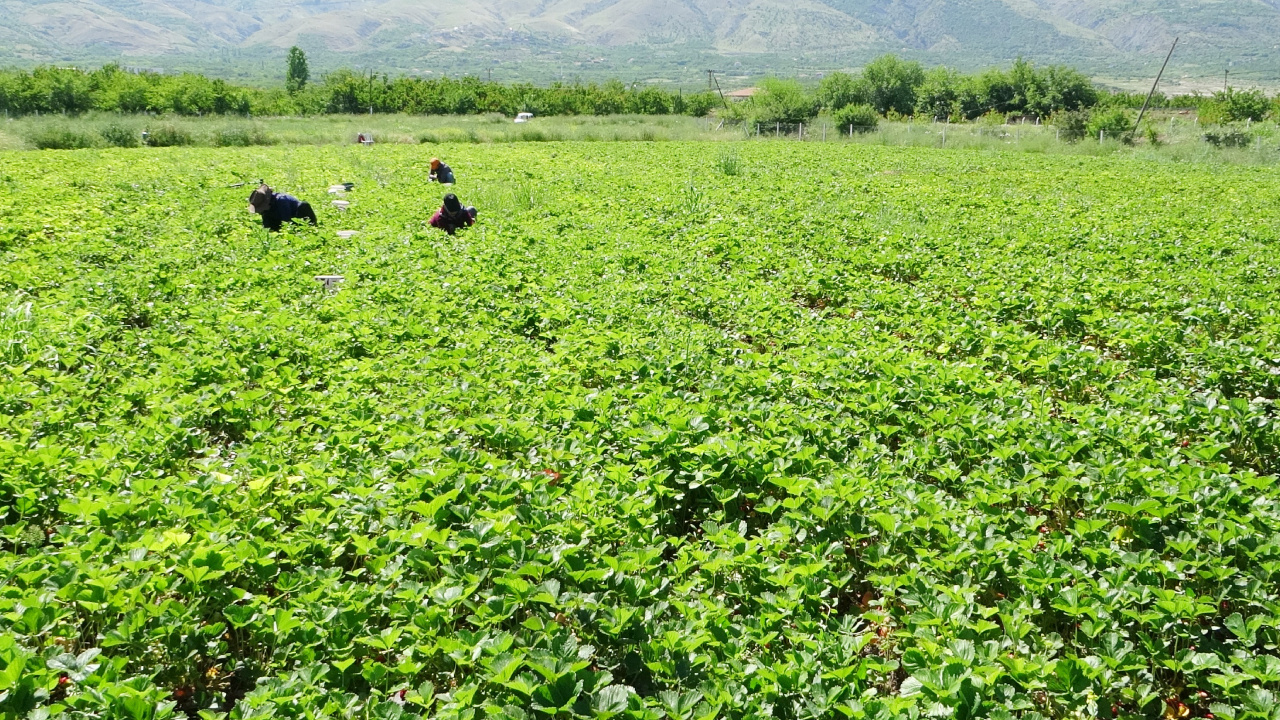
{"x":1175,"y":709}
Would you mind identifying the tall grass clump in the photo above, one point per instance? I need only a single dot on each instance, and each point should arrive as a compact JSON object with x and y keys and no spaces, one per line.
{"x":170,"y":136}
{"x":729,"y":163}
{"x":60,"y":138}
{"x":117,"y":135}
{"x":241,"y":137}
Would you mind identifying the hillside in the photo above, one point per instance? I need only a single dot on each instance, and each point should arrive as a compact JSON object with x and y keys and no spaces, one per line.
{"x":670,"y":39}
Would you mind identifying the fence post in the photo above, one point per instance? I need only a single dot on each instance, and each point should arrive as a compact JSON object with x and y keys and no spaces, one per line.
{"x":1102,"y":134}
{"x":800,"y":136}
{"x":777,"y":130}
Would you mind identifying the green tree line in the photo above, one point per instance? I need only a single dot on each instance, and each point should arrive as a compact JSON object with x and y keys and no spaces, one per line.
{"x":886,"y":87}
{"x":892,"y":87}
{"x":71,"y":91}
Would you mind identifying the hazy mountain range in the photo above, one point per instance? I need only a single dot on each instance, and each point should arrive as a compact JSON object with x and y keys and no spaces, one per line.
{"x":673,"y":39}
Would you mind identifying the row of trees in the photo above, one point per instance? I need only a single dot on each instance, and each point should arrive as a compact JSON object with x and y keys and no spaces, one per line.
{"x":887,"y":86}
{"x":48,"y":90}
{"x":890,"y":86}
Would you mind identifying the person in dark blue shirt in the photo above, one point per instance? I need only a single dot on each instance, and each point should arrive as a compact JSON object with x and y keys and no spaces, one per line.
{"x":278,"y":208}
{"x":440,"y":172}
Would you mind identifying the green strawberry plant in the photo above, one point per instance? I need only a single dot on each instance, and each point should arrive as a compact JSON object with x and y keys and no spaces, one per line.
{"x":858,"y":432}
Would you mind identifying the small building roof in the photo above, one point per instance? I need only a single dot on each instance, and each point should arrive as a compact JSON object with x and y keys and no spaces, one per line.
{"x":743,"y":93}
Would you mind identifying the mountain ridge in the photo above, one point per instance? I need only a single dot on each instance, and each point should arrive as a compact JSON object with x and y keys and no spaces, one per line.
{"x":1105,"y":37}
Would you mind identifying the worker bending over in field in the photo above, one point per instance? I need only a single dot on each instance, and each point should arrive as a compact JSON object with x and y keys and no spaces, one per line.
{"x":278,"y":208}
{"x":451,"y":216}
{"x":440,"y":172}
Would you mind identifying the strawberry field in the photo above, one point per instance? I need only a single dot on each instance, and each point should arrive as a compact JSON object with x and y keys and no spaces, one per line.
{"x":761,"y":430}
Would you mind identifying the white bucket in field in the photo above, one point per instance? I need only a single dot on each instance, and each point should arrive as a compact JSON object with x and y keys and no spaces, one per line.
{"x":346,"y":234}
{"x":341,"y":204}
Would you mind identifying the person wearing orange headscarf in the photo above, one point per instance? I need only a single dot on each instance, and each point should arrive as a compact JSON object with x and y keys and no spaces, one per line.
{"x":440,"y":172}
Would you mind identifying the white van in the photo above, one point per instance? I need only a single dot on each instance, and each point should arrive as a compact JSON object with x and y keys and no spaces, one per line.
{"x":524,"y":117}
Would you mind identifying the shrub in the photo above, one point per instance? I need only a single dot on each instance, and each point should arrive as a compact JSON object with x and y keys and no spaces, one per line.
{"x":1228,"y":137}
{"x":701,"y":104}
{"x":1072,"y":125}
{"x":861,"y":118}
{"x":1111,"y":124}
{"x":117,"y":135}
{"x":1233,"y":105}
{"x":240,"y":137}
{"x":169,"y":136}
{"x":993,"y":118}
{"x":60,"y":139}
{"x":1153,"y":135}
{"x":782,"y":101}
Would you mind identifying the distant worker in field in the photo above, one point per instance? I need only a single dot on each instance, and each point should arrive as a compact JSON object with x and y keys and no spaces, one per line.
{"x":452,"y":215}
{"x":360,"y":139}
{"x":440,"y":172}
{"x":278,"y":208}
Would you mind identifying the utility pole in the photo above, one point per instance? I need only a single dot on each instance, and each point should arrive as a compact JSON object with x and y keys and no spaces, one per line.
{"x":711,"y":78}
{"x":1225,"y":73}
{"x":1153,"y":87}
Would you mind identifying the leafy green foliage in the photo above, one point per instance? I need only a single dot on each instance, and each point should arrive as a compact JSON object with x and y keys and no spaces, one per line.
{"x":837,"y":90}
{"x":888,"y":83}
{"x":1113,"y":124}
{"x":170,"y":136}
{"x":55,"y":137}
{"x":240,"y":137}
{"x":782,"y":101}
{"x":989,"y":435}
{"x":1232,"y":105}
{"x":1072,"y":126}
{"x":71,"y":91}
{"x":117,"y":135}
{"x":856,"y":118}
{"x":297,"y":73}
{"x":892,"y":84}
